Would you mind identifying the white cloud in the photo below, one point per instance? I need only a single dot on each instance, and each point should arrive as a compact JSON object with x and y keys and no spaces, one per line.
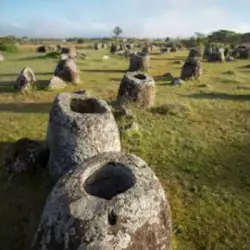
{"x":161,"y":19}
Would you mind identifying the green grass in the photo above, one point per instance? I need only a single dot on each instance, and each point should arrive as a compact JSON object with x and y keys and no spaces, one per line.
{"x":200,"y":153}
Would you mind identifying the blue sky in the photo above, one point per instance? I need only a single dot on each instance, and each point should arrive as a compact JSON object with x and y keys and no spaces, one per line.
{"x":140,"y":18}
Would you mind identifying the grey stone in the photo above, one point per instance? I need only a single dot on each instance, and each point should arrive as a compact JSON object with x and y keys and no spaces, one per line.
{"x":56,"y":83}
{"x":114,"y":201}
{"x":177,"y":81}
{"x":25,"y":79}
{"x":1,"y":57}
{"x":137,"y":87}
{"x":191,"y":69}
{"x":67,"y":70}
{"x":79,"y":128}
{"x":139,"y":62}
{"x":98,"y":46}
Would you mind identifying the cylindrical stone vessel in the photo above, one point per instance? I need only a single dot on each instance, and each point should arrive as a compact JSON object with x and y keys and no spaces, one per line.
{"x":79,"y":128}
{"x":137,"y":87}
{"x":113,"y":201}
{"x":139,"y":62}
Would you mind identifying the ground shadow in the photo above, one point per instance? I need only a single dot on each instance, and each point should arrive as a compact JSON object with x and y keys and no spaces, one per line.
{"x":221,"y":96}
{"x":17,"y":191}
{"x":104,"y":70}
{"x":25,"y":107}
{"x":33,"y":58}
{"x":36,"y":73}
{"x":164,"y":77}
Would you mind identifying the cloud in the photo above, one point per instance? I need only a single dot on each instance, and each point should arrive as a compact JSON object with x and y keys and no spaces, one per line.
{"x":138,"y":18}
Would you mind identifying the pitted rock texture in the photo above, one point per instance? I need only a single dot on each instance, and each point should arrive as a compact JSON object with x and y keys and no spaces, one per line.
{"x":113,"y":201}
{"x":79,"y":128}
{"x":192,"y":69}
{"x":25,"y":79}
{"x":139,"y":62}
{"x":67,"y":70}
{"x":138,"y":87}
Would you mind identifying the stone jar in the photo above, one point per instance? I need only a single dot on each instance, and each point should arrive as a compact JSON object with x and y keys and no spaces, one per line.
{"x":113,"y":201}
{"x":79,"y":128}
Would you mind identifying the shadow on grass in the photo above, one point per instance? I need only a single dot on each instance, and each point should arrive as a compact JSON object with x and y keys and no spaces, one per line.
{"x":22,"y":200}
{"x":104,"y":70}
{"x":220,"y":96}
{"x":36,"y":73}
{"x":34,"y":58}
{"x":25,"y":107}
{"x":165,"y":77}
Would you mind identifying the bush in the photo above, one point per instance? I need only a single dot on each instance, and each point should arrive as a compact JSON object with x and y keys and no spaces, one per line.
{"x":8,"y":48}
{"x":80,"y":41}
{"x":53,"y":55}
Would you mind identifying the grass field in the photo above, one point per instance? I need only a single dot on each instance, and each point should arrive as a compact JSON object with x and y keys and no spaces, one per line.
{"x":201,"y":155}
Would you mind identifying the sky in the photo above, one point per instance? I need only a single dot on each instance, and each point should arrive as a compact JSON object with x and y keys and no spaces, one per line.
{"x":137,"y":18}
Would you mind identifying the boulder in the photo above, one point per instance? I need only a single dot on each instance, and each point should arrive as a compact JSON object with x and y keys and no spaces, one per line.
{"x":139,"y":62}
{"x":98,"y":46}
{"x":173,"y":49}
{"x":191,"y":69}
{"x":56,"y":83}
{"x":1,"y":57}
{"x":42,"y":49}
{"x":79,"y":128}
{"x":177,"y":81}
{"x":195,"y":52}
{"x":130,"y":46}
{"x":137,"y":87}
{"x":67,"y":70}
{"x":112,"y":201}
{"x":104,"y":46}
{"x":72,"y":53}
{"x":25,"y":79}
{"x":146,"y":50}
{"x":113,"y":48}
{"x":25,"y":155}
{"x":65,"y":50}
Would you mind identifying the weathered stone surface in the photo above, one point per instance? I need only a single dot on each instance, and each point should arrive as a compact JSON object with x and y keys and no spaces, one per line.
{"x":104,"y":46}
{"x":113,"y":48}
{"x":67,"y":70}
{"x":42,"y":49}
{"x":79,"y":128}
{"x":72,"y":53}
{"x":195,"y":52}
{"x":98,"y":46}
{"x":241,"y":52}
{"x":177,"y":81}
{"x":56,"y":83}
{"x":173,"y":49}
{"x":139,"y":62}
{"x":146,"y":50}
{"x":1,"y":57}
{"x":138,"y":87}
{"x":191,"y":69}
{"x":25,"y":155}
{"x":25,"y":79}
{"x":113,"y":201}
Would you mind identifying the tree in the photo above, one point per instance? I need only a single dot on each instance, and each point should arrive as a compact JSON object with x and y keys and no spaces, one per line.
{"x":224,"y":36}
{"x":117,"y":31}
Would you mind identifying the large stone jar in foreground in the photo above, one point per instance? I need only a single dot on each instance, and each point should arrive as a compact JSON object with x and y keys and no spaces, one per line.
{"x":79,"y":128}
{"x":113,"y":201}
